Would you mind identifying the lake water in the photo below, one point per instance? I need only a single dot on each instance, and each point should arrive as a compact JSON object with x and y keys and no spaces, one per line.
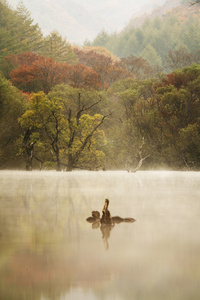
{"x":49,"y":251}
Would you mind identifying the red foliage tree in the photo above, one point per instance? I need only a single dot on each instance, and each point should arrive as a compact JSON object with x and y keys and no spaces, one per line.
{"x":35,"y":72}
{"x":105,"y":66}
{"x":82,"y":76}
{"x":138,"y":66}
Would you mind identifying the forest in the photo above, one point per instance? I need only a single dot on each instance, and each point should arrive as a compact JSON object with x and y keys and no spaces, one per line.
{"x":126,"y":100}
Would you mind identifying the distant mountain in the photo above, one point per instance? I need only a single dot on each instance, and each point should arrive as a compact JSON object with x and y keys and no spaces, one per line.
{"x":78,"y":20}
{"x":158,"y":11}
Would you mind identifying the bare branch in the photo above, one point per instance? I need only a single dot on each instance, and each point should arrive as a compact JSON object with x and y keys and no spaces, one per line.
{"x":83,"y":109}
{"x":142,"y":159}
{"x":77,"y":155}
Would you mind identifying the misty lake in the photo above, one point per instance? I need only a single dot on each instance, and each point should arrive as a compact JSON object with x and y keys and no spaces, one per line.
{"x":49,"y":251}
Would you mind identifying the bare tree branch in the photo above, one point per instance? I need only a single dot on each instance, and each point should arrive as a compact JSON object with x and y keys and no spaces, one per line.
{"x":142,"y":159}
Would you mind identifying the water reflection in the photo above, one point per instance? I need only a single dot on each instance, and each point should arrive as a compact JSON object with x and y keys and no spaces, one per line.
{"x":48,"y":250}
{"x":106,"y":222}
{"x":106,"y":230}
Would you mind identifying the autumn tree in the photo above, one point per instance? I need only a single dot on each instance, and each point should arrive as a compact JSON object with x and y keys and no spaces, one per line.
{"x":13,"y":62}
{"x":164,"y":113}
{"x":35,"y":73}
{"x":81,"y":76}
{"x":181,"y":57}
{"x":179,"y":109}
{"x":138,"y":66}
{"x":105,"y":66}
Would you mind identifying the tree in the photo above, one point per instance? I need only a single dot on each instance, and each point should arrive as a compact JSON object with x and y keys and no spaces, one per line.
{"x":13,"y":61}
{"x":154,"y":37}
{"x":58,"y":128}
{"x":42,"y":74}
{"x":17,"y":32}
{"x":191,"y":2}
{"x":38,"y":73}
{"x":150,"y":54}
{"x":190,"y":145}
{"x":56,"y":47}
{"x":108,"y":69}
{"x":124,"y":135}
{"x":12,"y":106}
{"x":82,"y":134}
{"x":82,"y":76}
{"x":101,"y":39}
{"x":30,"y":34}
{"x":138,"y":66}
{"x":163,"y":112}
{"x":179,"y":58}
{"x":179,"y":109}
{"x":32,"y":122}
{"x":190,"y":36}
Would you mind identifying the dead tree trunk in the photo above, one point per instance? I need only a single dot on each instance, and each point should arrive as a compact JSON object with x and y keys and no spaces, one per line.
{"x":141,"y":158}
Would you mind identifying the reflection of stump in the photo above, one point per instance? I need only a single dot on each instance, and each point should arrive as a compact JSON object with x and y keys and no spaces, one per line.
{"x":106,"y":221}
{"x":106,"y":217}
{"x":106,"y":229}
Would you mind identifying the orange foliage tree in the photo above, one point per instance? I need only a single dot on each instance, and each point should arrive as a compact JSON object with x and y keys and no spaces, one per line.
{"x":33,"y":73}
{"x":138,"y":66}
{"x":106,"y":67}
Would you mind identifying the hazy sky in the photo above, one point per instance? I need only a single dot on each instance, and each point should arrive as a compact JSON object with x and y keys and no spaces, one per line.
{"x":79,"y":20}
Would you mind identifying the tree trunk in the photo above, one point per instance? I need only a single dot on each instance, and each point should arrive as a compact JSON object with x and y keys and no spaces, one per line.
{"x":70,"y":163}
{"x":29,"y":160}
{"x":58,"y":166}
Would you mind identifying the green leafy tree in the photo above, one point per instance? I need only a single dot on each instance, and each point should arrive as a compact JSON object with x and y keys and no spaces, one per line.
{"x":17,"y":31}
{"x":32,"y":123}
{"x":150,"y":54}
{"x":30,"y":36}
{"x":82,"y":136}
{"x":101,"y":39}
{"x":125,"y":135}
{"x":190,"y":2}
{"x":12,"y":106}
{"x":57,"y":48}
{"x":190,"y":35}
{"x":59,"y":129}
{"x":165,"y":113}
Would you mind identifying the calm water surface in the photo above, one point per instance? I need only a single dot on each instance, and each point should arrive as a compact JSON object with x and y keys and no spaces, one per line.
{"x":49,"y":251}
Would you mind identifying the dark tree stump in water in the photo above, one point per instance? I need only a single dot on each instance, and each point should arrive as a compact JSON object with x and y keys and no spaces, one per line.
{"x":106,"y":217}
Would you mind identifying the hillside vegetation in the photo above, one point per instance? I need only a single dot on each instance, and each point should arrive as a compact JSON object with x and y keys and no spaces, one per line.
{"x":64,"y":107}
{"x":158,"y":39}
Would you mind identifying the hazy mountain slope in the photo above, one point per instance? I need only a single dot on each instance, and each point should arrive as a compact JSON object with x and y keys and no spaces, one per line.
{"x":152,"y":13}
{"x":78,"y":20}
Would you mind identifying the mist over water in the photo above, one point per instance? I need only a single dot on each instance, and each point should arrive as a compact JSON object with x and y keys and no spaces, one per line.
{"x":49,"y":251}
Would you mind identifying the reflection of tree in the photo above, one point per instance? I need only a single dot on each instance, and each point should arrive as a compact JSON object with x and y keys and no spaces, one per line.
{"x":106,"y":230}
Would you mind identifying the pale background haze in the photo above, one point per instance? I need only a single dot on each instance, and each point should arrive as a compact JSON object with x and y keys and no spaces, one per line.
{"x":80,"y":20}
